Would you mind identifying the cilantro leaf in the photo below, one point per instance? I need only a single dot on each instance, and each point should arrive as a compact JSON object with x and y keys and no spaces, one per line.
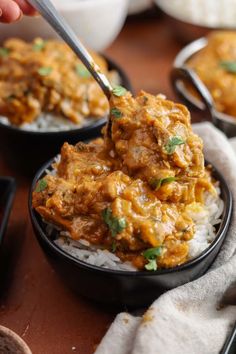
{"x":145,"y":99}
{"x":82,"y":71}
{"x":39,"y":45}
{"x":119,"y":91}
{"x":151,"y":265}
{"x":229,"y":66}
{"x":113,"y":247}
{"x":151,"y":255}
{"x":41,"y":185}
{"x":4,"y":52}
{"x":173,"y":143}
{"x":157,"y":183}
{"x":116,"y":225}
{"x":44,"y":70}
{"x":116,"y":113}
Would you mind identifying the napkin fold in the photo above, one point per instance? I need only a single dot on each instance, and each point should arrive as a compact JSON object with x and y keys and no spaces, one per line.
{"x":185,"y":320}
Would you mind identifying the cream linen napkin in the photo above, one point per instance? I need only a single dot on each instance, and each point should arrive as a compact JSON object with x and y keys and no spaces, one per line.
{"x":185,"y":320}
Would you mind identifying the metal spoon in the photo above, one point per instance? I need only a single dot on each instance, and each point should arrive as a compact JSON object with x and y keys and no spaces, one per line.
{"x":51,"y":15}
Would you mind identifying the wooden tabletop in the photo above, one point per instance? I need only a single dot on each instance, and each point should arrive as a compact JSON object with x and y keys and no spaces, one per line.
{"x":33,"y":300}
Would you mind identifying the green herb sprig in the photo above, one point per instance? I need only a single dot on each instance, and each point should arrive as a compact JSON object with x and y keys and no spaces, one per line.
{"x":229,"y":66}
{"x":4,"y":52}
{"x":151,"y":255}
{"x":44,"y":70}
{"x":113,"y":247}
{"x":39,"y":46}
{"x":119,"y":91}
{"x":116,"y":225}
{"x":41,"y":186}
{"x":116,"y":113}
{"x":173,"y":143}
{"x":157,"y":183}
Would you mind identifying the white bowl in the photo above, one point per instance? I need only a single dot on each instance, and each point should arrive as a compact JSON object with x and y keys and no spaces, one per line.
{"x":137,"y":6}
{"x":207,"y":13}
{"x":96,"y":22}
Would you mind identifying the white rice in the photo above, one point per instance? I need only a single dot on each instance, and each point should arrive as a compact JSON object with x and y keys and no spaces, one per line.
{"x":49,"y":123}
{"x":205,"y":223}
{"x":83,"y":251}
{"x":205,"y":220}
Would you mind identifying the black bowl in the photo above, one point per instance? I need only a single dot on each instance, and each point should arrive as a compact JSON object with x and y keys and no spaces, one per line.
{"x":7,"y":192}
{"x":181,"y":74}
{"x":26,"y":151}
{"x":126,"y":289}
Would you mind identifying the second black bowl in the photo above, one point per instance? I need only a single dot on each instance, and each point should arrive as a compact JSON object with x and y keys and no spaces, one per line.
{"x":124,"y":289}
{"x":26,"y":151}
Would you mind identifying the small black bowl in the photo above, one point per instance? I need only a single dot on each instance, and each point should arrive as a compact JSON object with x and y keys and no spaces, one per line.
{"x":126,"y":289}
{"x":182,"y":74}
{"x":26,"y":151}
{"x":7,"y":192}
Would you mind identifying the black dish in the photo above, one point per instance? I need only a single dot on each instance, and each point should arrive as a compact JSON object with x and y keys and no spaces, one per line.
{"x":124,"y":289}
{"x":7,"y":192}
{"x":181,"y":74}
{"x":26,"y":151}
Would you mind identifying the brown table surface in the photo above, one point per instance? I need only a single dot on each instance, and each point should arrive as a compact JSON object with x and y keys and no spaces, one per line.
{"x":33,"y":300}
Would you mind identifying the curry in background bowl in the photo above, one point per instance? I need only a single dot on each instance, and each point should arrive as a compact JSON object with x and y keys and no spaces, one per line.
{"x":137,"y":207}
{"x":206,"y":70}
{"x":47,"y":97}
{"x":45,"y":87}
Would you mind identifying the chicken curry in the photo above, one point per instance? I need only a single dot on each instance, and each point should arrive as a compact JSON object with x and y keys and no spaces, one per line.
{"x":131,"y":191}
{"x":47,"y":77}
{"x":216,"y":66}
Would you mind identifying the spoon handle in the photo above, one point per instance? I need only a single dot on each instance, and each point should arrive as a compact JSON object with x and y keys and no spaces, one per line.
{"x":52,"y":16}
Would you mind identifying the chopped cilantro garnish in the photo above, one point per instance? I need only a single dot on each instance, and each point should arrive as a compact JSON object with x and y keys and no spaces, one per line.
{"x":39,"y":45}
{"x":41,"y":185}
{"x":116,"y":225}
{"x":116,"y":113}
{"x":119,"y":91}
{"x":44,"y":70}
{"x":113,"y":247}
{"x":173,"y":143}
{"x":151,"y":265}
{"x":82,"y":71}
{"x":229,"y":66}
{"x":157,"y":183}
{"x":151,"y":254}
{"x":4,"y":52}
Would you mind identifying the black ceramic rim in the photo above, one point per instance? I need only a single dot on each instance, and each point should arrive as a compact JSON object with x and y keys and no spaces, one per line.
{"x":96,"y":124}
{"x":6,"y":207}
{"x":221,"y":233}
{"x":180,"y":63}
